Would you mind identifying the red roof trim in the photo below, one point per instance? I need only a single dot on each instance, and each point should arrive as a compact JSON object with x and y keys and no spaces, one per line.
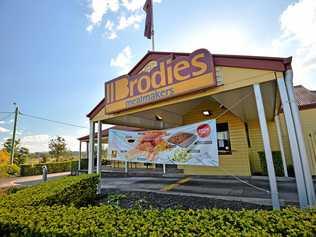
{"x":307,"y":106}
{"x":242,"y":61}
{"x":96,"y":109}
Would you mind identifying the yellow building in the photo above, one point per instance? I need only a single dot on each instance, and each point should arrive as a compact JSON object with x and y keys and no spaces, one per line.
{"x":251,"y":98}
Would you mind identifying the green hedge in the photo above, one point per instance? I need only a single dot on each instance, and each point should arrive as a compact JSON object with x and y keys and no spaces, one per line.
{"x":49,"y":209}
{"x":106,"y":220}
{"x":277,"y":162}
{"x":28,"y":170}
{"x":84,"y":164}
{"x":76,"y":190}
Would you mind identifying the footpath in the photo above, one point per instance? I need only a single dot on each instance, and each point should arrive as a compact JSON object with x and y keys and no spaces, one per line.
{"x":27,"y":180}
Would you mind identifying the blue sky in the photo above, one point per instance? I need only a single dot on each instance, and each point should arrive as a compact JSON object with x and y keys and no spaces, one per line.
{"x":55,"y":55}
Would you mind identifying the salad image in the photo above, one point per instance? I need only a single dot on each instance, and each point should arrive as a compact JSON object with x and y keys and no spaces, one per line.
{"x":180,"y":155}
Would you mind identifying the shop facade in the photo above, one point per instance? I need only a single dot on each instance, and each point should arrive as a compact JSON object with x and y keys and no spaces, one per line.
{"x":251,"y":98}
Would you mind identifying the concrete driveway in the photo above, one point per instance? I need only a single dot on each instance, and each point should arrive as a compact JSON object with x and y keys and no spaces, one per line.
{"x":253,"y":189}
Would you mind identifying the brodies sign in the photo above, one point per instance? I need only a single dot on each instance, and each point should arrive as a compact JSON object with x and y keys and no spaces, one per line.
{"x":168,"y":79}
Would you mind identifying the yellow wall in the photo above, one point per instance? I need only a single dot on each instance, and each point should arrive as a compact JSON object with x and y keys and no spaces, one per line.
{"x":308,"y":118}
{"x":256,"y":144}
{"x":237,"y":163}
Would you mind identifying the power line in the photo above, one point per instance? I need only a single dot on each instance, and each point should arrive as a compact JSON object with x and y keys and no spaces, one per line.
{"x":2,"y":112}
{"x":50,"y":120}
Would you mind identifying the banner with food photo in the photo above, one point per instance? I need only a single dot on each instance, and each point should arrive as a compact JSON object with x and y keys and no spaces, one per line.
{"x":194,"y":144}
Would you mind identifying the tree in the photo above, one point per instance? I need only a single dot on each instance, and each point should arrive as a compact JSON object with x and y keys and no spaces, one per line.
{"x":5,"y":168}
{"x":20,"y":153}
{"x":57,"y":147}
{"x":4,"y":157}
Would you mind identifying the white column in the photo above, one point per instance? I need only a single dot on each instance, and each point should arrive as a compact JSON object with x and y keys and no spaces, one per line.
{"x":80,"y":154}
{"x":164,"y":168}
{"x":87,"y":149}
{"x":299,"y":176}
{"x":280,"y":139}
{"x":91,"y":148}
{"x":267,"y":147}
{"x":125,"y":166}
{"x":300,"y":137}
{"x":99,"y":147}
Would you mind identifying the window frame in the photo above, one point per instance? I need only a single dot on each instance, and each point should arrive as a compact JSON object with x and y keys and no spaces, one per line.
{"x":227,"y":152}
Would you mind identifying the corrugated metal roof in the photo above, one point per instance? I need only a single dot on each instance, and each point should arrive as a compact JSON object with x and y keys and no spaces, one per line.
{"x":304,"y":96}
{"x":105,"y":132}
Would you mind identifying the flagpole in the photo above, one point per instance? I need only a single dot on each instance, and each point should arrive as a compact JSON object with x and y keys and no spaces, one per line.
{"x":152,"y":27}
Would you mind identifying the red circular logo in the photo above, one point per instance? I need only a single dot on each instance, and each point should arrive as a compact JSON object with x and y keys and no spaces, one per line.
{"x":204,"y":130}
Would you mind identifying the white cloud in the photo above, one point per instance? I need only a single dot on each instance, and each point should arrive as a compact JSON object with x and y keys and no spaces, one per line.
{"x":72,"y":143}
{"x":297,"y":38}
{"x":6,"y":121}
{"x":89,"y":28}
{"x":111,"y":32}
{"x":99,"y":9}
{"x":123,"y":60}
{"x":132,"y":20}
{"x":123,"y":23}
{"x":112,"y":35}
{"x":36,"y":143}
{"x":109,"y":25}
{"x":134,"y":5}
{"x":3,"y":130}
{"x":298,"y":24}
{"x":39,"y":142}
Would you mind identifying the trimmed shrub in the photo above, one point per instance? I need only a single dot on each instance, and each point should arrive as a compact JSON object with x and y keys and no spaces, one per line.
{"x":84,"y":164}
{"x":76,"y":190}
{"x":49,"y":209}
{"x":106,"y":220}
{"x":55,"y":167}
{"x":277,"y":162}
{"x":8,"y":169}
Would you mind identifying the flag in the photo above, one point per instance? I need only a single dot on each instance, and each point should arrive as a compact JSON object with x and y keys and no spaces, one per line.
{"x":148,"y":8}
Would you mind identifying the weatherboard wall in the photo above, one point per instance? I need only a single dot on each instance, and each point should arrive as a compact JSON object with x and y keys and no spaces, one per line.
{"x":236,"y":163}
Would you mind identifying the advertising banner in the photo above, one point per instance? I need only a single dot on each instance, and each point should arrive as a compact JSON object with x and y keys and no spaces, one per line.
{"x":194,"y":144}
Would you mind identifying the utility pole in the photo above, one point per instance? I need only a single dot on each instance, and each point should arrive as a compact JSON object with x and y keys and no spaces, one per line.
{"x":14,"y":132}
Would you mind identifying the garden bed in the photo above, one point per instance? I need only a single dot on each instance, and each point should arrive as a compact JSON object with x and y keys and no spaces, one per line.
{"x":148,"y":200}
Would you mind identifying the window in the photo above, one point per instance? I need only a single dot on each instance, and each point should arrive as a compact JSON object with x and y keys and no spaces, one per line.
{"x":223,"y":140}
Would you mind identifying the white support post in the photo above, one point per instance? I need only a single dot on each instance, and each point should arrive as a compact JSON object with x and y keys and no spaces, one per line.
{"x":267,"y":147}
{"x":99,"y":147}
{"x":91,"y":148}
{"x":299,"y":176}
{"x":280,"y":139}
{"x":80,"y":154}
{"x":300,"y":137}
{"x":125,"y":166}
{"x":87,"y":149}
{"x":164,"y":168}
